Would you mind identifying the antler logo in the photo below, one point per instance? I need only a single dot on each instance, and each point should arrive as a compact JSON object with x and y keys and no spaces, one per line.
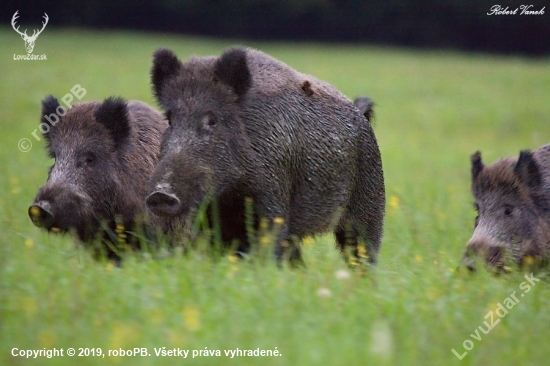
{"x":29,"y":41}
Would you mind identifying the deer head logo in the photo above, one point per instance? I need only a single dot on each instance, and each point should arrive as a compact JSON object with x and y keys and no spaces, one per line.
{"x":29,"y":41}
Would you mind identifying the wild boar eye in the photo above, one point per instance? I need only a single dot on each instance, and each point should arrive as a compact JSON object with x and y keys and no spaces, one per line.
{"x":209,"y":121}
{"x":89,"y":159}
{"x":508,"y":210}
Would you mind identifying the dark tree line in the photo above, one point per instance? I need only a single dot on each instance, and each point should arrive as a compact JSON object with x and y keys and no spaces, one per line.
{"x":458,"y":24}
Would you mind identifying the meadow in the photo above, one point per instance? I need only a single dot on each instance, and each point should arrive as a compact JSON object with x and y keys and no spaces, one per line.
{"x":433,"y":109}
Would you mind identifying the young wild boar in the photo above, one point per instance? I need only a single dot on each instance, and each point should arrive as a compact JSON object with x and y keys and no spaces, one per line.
{"x":512,"y":197}
{"x":244,"y":125}
{"x":104,"y":154}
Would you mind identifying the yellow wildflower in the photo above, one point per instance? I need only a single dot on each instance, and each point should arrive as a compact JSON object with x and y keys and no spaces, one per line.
{"x":47,"y":338}
{"x":394,"y":202}
{"x":109,"y":267}
{"x":264,"y":239}
{"x":29,"y":305}
{"x":123,"y":335}
{"x":191,"y":317}
{"x":307,"y":241}
{"x":29,"y":243}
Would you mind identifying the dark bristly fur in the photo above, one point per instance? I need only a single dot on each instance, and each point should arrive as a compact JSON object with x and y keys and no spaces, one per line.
{"x":513,"y":201}
{"x":104,"y":154}
{"x":49,"y":106}
{"x":306,"y":87}
{"x":365,"y":106}
{"x":168,"y":67}
{"x":527,"y":169}
{"x":232,"y":70}
{"x":477,"y":165}
{"x":113,"y":115}
{"x":242,"y":127}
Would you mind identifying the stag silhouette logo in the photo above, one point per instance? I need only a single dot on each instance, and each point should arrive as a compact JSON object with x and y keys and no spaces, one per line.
{"x":29,"y":40}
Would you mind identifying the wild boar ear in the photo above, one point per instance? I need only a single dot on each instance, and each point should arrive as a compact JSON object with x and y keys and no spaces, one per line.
{"x":113,"y":115}
{"x":232,"y":69}
{"x":528,"y":170}
{"x":477,"y":164}
{"x":364,"y":105}
{"x":165,"y":66}
{"x":49,"y":107}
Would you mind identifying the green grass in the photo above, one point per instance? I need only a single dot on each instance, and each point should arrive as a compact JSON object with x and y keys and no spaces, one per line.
{"x":433,"y":109}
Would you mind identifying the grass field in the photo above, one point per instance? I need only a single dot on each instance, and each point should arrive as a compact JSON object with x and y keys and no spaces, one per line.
{"x":433,"y":109}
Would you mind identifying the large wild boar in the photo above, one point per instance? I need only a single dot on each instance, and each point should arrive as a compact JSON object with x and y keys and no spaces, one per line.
{"x":512,"y":197}
{"x":104,"y":155}
{"x":247,"y":125}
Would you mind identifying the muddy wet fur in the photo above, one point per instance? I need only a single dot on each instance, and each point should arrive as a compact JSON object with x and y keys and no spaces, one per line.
{"x":247,"y":125}
{"x":104,"y":154}
{"x":512,"y":197}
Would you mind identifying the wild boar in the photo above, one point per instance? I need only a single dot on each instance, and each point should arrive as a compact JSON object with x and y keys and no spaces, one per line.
{"x":245,"y":125}
{"x":512,"y":198}
{"x":104,"y":155}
